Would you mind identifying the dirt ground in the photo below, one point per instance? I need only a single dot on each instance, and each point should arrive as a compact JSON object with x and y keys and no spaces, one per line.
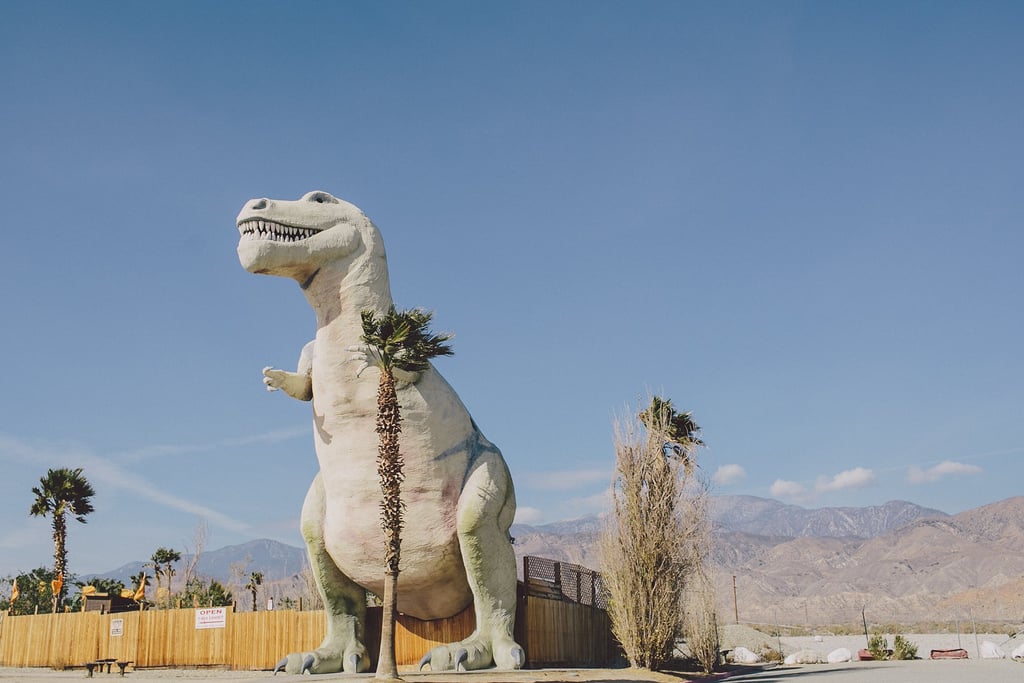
{"x":525,"y":676}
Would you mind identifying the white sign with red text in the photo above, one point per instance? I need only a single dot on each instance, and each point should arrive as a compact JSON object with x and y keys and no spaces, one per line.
{"x":212,"y":617}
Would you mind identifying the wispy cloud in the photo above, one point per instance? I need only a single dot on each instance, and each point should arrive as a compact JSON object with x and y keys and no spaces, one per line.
{"x":564,"y":480}
{"x":163,"y":450}
{"x":917,"y":475}
{"x":782,"y":488}
{"x":857,"y":478}
{"x":729,"y":474}
{"x":527,"y":515}
{"x":114,"y":475}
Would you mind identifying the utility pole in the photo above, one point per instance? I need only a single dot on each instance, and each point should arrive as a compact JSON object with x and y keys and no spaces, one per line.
{"x":735,"y":603}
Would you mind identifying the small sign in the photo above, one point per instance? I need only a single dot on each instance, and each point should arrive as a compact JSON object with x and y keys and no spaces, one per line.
{"x":212,"y":617}
{"x":116,"y":628}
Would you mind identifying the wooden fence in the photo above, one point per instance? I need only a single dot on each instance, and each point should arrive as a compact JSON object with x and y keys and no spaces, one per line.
{"x":554,"y":632}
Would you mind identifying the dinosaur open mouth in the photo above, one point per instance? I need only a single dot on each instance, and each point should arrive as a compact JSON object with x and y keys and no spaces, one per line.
{"x":259,"y":229}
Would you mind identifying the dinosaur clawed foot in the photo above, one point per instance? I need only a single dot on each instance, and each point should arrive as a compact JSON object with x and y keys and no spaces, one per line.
{"x":475,"y":653}
{"x":322,"y":661}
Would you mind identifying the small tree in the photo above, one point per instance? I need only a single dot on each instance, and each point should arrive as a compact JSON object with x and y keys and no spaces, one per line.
{"x":60,"y":493}
{"x":397,"y":342}
{"x":192,"y":557}
{"x":162,"y":563}
{"x":255,"y":581}
{"x":207,"y":593}
{"x":34,"y":592}
{"x":656,"y":534}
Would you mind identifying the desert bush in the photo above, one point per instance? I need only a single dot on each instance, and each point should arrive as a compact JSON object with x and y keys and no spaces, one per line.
{"x":656,"y":537}
{"x":878,"y":646}
{"x":700,"y":623}
{"x":770,"y":654}
{"x":903,"y":648}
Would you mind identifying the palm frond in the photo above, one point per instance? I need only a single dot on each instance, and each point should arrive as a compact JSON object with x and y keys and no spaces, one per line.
{"x":402,"y":338}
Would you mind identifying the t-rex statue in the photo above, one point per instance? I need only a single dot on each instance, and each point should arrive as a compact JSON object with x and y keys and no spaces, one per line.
{"x":458,"y":492}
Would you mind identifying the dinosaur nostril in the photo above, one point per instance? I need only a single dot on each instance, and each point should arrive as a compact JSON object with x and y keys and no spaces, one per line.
{"x":258,"y":204}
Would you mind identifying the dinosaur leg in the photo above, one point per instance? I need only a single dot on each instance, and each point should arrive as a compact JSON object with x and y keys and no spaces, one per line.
{"x":486,"y":508}
{"x":344,"y":602}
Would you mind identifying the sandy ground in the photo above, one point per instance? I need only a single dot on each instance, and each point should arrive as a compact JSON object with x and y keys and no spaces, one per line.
{"x":927,"y":671}
{"x":220,"y":676}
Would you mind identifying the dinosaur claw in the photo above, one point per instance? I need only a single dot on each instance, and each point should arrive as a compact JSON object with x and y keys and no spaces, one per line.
{"x":280,"y":665}
{"x":518,"y":657}
{"x":424,"y":661}
{"x":307,"y":664}
{"x":460,"y":659}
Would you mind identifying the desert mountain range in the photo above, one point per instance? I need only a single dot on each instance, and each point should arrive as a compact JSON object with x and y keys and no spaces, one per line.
{"x":898,"y":562}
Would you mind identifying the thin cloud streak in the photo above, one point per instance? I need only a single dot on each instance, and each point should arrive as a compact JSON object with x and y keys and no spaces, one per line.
{"x":162,"y":450}
{"x":916,"y":475}
{"x":565,"y":480}
{"x":102,"y":470}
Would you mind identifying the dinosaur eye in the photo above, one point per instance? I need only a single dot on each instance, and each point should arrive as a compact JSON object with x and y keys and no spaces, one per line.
{"x":321,"y":198}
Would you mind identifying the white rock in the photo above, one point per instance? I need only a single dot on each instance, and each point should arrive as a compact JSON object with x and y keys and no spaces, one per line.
{"x":742,"y":655}
{"x":990,"y":650}
{"x":803,"y":657}
{"x":839,"y":655}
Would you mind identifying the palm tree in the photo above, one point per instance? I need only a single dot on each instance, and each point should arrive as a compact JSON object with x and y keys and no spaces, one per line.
{"x":162,"y":563}
{"x":398,"y":341}
{"x":60,"y":493}
{"x":678,"y":430}
{"x":255,"y":581}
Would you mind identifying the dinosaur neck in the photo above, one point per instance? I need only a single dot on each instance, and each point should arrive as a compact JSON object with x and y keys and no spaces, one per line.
{"x":339,"y":295}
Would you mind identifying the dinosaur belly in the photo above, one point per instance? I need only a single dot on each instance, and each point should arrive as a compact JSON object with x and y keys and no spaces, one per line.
{"x":432,"y":580}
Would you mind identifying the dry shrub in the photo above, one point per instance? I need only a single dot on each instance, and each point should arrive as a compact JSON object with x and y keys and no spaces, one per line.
{"x":700,"y":622}
{"x":655,"y":539}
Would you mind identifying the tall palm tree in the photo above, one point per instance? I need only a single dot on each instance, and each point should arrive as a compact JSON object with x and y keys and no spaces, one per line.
{"x":398,"y":341}
{"x":678,"y":430}
{"x":60,"y":493}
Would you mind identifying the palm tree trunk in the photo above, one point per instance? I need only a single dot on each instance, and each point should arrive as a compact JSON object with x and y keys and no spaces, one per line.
{"x":60,"y":553}
{"x":389,"y":469}
{"x":387,"y":667}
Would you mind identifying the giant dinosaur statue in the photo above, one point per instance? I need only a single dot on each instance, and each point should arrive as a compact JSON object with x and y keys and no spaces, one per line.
{"x":460,"y":501}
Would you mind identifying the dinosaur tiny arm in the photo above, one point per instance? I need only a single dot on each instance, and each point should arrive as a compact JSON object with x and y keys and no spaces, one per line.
{"x":298,"y":384}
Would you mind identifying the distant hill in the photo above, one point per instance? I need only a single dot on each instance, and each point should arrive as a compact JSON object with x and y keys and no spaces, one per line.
{"x":767,"y":517}
{"x":277,"y":561}
{"x":898,"y":562}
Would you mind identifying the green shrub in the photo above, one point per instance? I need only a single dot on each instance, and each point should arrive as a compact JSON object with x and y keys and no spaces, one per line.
{"x":903,"y":648}
{"x":878,"y":646}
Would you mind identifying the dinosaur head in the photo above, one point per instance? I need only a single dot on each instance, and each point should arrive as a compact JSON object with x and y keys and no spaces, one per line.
{"x":298,"y":238}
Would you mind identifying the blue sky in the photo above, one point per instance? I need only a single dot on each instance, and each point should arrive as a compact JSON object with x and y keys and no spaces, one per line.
{"x":800,"y":220}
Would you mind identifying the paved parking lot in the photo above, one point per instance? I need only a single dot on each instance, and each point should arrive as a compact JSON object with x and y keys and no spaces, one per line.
{"x":914,"y":671}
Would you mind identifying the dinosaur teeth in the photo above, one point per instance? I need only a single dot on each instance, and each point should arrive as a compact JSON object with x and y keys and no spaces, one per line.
{"x":258,"y":229}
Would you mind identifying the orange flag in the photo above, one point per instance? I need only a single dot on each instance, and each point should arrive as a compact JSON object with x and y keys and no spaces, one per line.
{"x":57,"y":583}
{"x":14,"y":591}
{"x":140,"y":594}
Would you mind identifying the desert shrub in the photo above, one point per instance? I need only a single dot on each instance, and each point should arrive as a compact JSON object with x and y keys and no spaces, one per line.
{"x":878,"y":646}
{"x":903,"y":648}
{"x":700,"y":623}
{"x":657,"y":535}
{"x":770,"y":654}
